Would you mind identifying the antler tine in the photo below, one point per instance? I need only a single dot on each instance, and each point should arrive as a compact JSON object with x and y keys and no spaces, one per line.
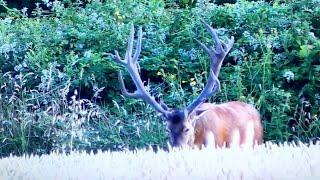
{"x":204,"y":47}
{"x":133,"y":68}
{"x":214,"y":35}
{"x":212,"y":86}
{"x":216,"y":57}
{"x":222,"y":49}
{"x":130,"y":44}
{"x":123,"y":87}
{"x":138,"y":49}
{"x":116,"y":57}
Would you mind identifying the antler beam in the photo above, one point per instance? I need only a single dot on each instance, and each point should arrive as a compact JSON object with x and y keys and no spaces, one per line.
{"x":131,"y":64}
{"x":216,"y":57}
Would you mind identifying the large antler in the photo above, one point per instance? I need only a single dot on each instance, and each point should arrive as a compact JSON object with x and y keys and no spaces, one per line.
{"x":216,"y":57}
{"x":130,"y":62}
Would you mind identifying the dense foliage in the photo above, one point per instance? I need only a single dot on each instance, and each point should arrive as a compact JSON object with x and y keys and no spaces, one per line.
{"x":59,"y":90}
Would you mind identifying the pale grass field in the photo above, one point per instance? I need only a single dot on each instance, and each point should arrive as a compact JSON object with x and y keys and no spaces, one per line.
{"x":264,"y":162}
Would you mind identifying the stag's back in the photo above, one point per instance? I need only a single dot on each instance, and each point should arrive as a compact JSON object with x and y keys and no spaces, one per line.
{"x":232,"y":123}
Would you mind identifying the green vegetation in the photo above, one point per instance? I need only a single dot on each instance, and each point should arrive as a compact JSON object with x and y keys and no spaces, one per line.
{"x":60,"y":92}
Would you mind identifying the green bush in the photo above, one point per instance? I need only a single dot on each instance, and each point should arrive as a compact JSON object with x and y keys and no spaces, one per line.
{"x":59,"y":90}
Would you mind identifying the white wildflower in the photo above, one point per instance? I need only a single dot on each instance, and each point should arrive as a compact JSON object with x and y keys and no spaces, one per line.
{"x":289,"y":76}
{"x":87,"y":54}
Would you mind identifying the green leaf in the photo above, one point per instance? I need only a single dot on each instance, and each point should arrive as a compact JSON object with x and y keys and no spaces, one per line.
{"x":185,"y":1}
{"x":304,"y":51}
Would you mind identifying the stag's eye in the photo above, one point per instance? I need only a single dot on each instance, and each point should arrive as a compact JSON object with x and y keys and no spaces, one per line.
{"x":186,"y":129}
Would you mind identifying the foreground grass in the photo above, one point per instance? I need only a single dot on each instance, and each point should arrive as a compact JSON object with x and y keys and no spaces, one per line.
{"x":269,"y":161}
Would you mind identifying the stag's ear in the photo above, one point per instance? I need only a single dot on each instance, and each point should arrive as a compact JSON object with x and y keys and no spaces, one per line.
{"x":164,"y":116}
{"x":198,"y":114}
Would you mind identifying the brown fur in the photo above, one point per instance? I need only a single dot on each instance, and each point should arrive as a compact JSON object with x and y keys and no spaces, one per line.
{"x":222,"y":120}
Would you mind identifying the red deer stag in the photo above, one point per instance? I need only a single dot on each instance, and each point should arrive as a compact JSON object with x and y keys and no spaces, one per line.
{"x":212,"y":125}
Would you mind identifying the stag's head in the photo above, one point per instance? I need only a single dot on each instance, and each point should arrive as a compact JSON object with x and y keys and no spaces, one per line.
{"x":180,"y":121}
{"x":179,"y":126}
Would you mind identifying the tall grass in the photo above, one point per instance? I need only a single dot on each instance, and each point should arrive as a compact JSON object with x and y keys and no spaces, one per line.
{"x":53,"y":117}
{"x":269,"y":161}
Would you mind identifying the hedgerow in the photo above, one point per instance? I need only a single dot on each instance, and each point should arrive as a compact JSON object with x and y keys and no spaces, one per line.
{"x":59,"y":90}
